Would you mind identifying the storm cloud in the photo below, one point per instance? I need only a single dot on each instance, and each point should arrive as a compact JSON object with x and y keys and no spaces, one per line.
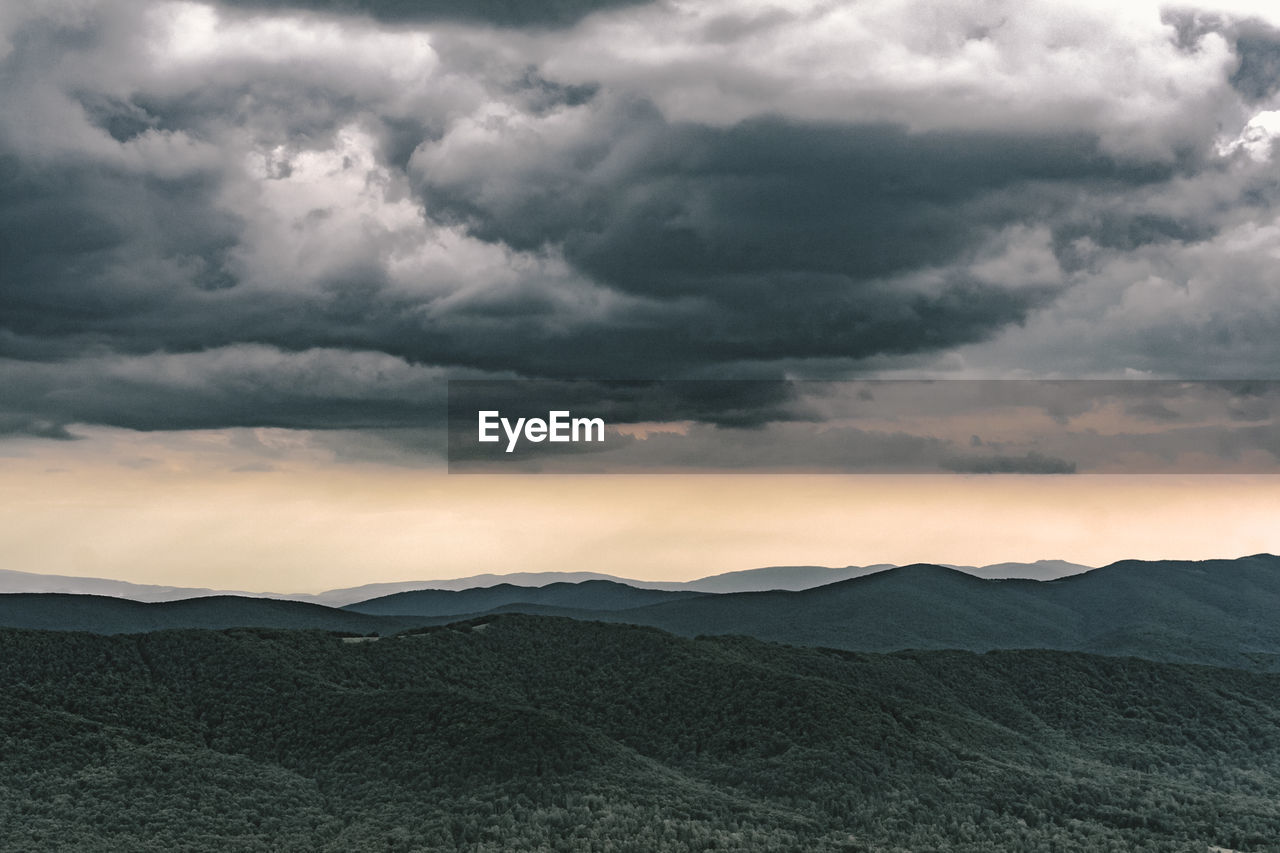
{"x":311,"y":214}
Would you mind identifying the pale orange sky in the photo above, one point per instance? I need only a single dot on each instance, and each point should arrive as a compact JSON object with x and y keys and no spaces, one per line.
{"x":172,"y":513}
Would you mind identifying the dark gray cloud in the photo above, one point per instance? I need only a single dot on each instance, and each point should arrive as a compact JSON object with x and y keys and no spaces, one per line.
{"x":499,"y":13}
{"x":235,"y":386}
{"x":647,"y":205}
{"x":93,"y":257}
{"x":222,"y":216}
{"x":16,"y":424}
{"x":767,"y":241}
{"x":772,"y":239}
{"x":1258,"y":75}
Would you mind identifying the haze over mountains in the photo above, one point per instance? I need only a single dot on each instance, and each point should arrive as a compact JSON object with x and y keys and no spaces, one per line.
{"x":1219,"y":612}
{"x":749,"y":580}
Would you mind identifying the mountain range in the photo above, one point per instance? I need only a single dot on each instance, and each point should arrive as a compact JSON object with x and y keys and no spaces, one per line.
{"x":1219,"y":612}
{"x":749,"y":580}
{"x":852,"y":716}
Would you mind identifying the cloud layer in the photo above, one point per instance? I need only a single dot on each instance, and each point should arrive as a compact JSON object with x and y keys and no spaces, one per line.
{"x":309,"y":214}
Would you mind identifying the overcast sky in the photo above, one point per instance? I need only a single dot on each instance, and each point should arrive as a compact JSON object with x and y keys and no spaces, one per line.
{"x":281,"y":226}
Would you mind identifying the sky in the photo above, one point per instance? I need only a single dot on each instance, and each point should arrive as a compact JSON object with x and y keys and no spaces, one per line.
{"x":245,"y":245}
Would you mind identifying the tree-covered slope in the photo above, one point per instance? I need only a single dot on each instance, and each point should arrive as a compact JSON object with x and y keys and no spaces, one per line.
{"x":524,"y":732}
{"x":1218,"y":612}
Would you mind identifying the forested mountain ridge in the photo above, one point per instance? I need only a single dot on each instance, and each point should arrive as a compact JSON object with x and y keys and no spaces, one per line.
{"x":520,"y":732}
{"x":1215,"y":612}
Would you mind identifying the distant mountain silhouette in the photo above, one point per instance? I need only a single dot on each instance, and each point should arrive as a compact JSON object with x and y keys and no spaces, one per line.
{"x":780,"y":577}
{"x":587,"y":595}
{"x":1040,"y":570}
{"x":34,"y":582}
{"x":1220,"y":612}
{"x":798,"y":578}
{"x":11,"y":581}
{"x":749,"y":580}
{"x":103,"y":615}
{"x":367,"y":592}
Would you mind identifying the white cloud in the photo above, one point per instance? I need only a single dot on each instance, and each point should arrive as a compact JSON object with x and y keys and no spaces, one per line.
{"x":1255,"y":138}
{"x":1114,"y":69}
{"x":186,"y":34}
{"x":1199,"y":310}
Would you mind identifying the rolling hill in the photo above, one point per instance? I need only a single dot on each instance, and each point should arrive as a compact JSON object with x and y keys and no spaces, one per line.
{"x":1218,"y":612}
{"x":528,"y":733}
